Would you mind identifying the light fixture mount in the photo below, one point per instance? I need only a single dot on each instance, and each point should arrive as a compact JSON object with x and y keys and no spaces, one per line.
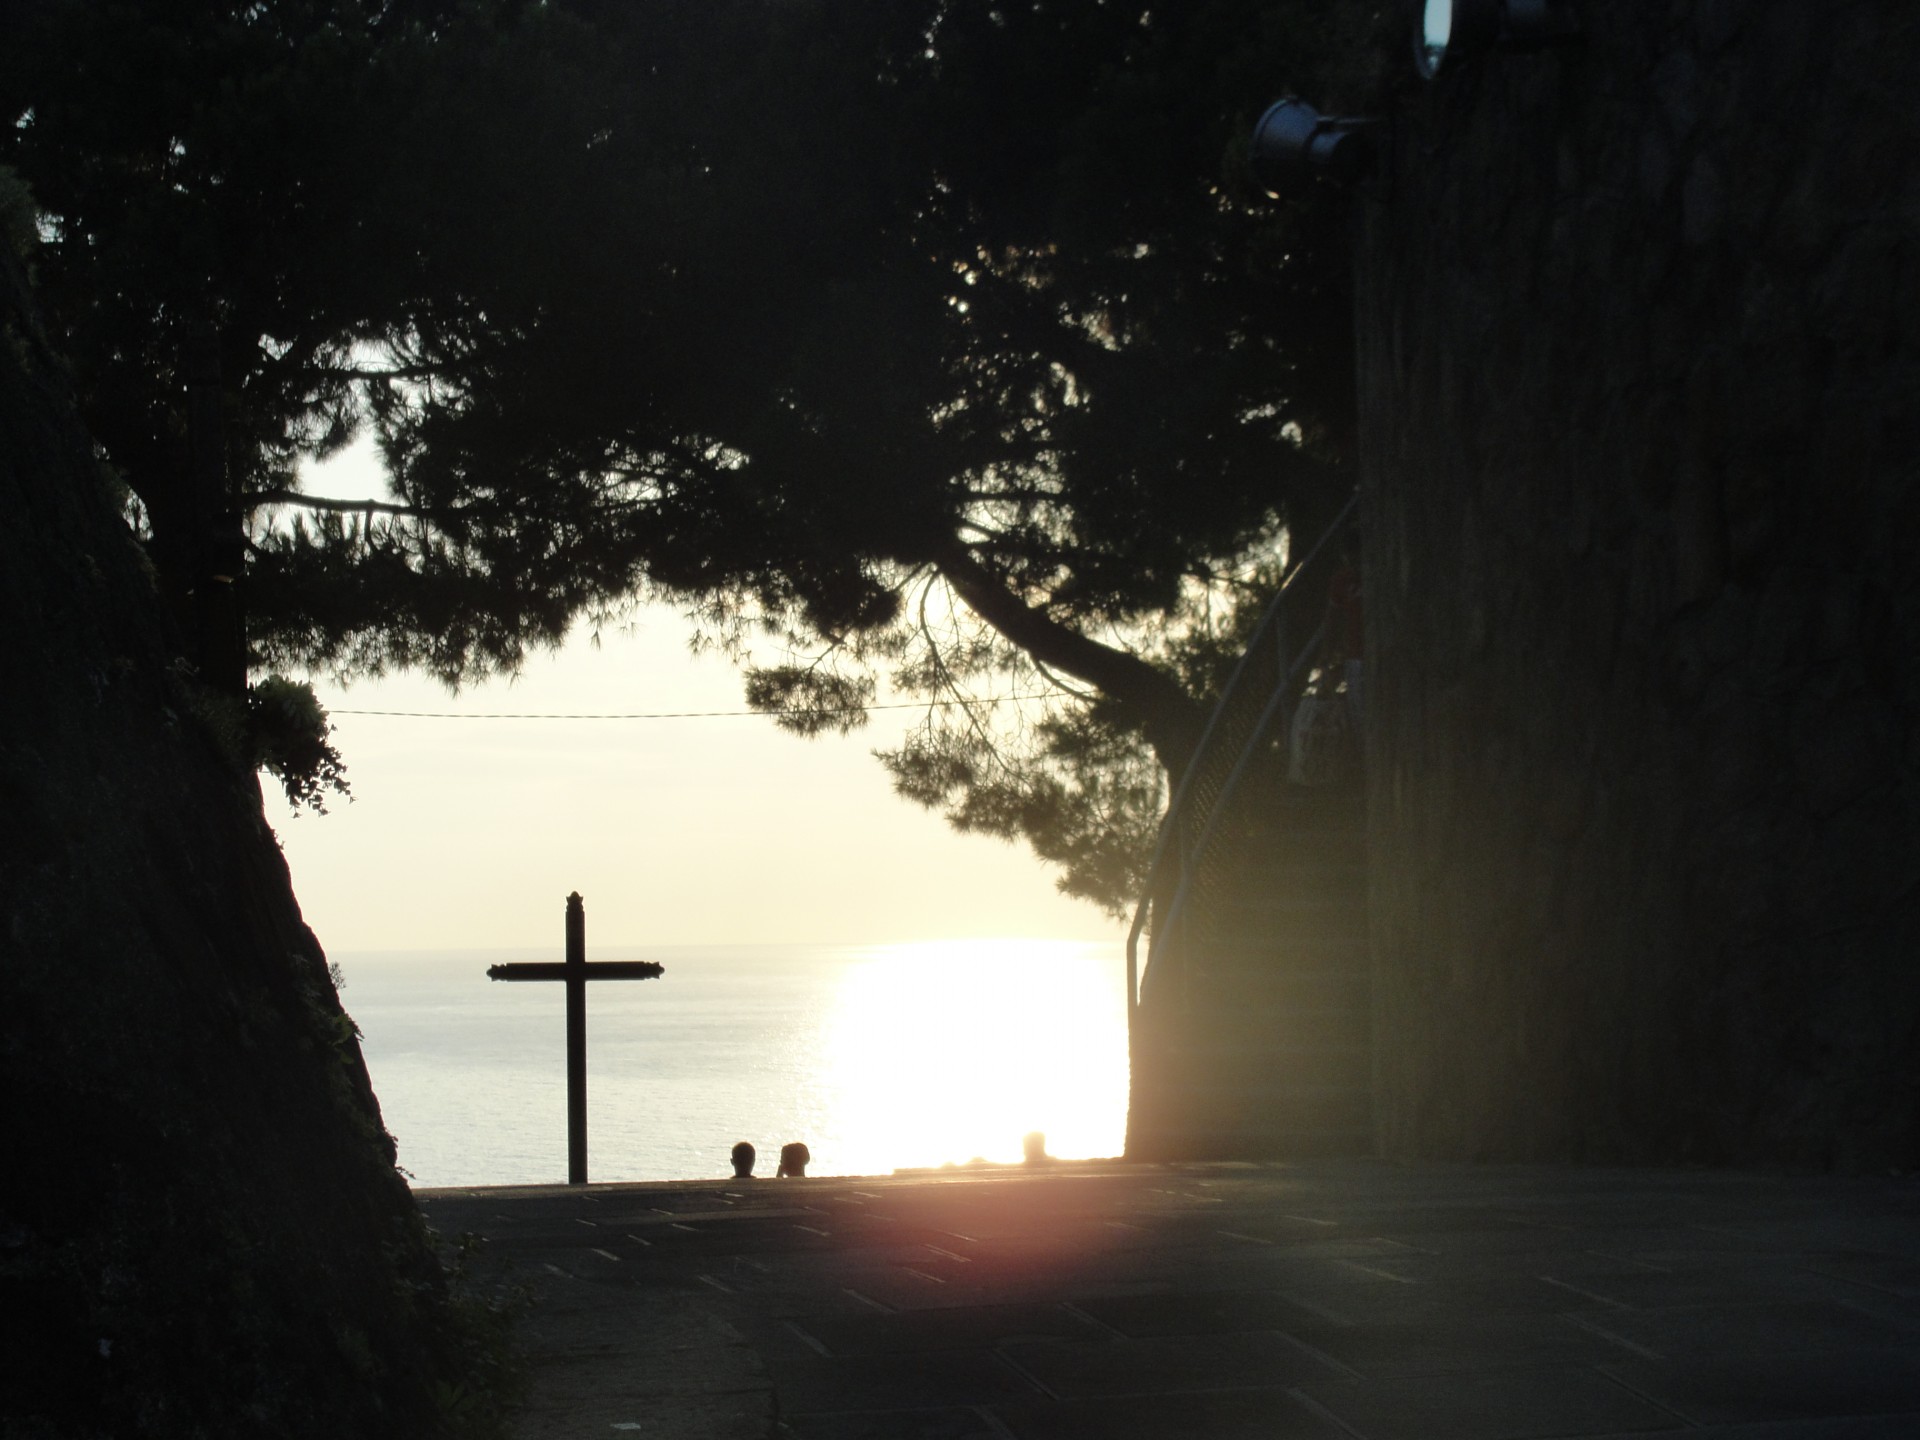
{"x":1293,"y":138}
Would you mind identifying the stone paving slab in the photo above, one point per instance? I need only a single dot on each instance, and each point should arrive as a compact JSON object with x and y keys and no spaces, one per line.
{"x":962,"y":1327}
{"x":1448,"y":1343}
{"x":1169,"y":1364}
{"x":1332,"y":1299}
{"x":1698,"y":1333}
{"x":952,"y":1378}
{"x":1740,"y":1387}
{"x":1216,"y":1415}
{"x":1895,"y":1427}
{"x":1499,"y":1402}
{"x":1206,"y":1312}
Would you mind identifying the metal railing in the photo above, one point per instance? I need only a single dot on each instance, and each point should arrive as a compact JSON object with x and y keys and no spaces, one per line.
{"x":1256,"y":704}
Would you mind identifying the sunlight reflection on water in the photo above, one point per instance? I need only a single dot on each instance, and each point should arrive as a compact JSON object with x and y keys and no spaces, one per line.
{"x":876,"y":1057}
{"x":950,"y":1051}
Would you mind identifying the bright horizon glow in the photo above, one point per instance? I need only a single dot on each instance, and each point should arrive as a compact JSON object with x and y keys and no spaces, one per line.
{"x":878,"y":1057}
{"x":469,"y":833}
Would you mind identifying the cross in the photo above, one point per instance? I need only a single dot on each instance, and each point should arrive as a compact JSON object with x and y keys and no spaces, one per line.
{"x":576,"y":972}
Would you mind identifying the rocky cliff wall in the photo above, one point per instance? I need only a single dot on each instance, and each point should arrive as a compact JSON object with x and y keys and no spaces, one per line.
{"x":1639,"y":324}
{"x":201,"y":1228}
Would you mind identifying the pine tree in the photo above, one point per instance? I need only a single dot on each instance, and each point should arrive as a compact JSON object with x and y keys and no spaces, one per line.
{"x":903,"y":343}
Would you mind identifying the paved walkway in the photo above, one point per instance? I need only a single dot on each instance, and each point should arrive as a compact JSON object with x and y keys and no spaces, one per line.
{"x":1108,"y":1301}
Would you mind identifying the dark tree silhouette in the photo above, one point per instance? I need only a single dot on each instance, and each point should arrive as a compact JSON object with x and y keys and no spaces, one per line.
{"x":929,"y":345}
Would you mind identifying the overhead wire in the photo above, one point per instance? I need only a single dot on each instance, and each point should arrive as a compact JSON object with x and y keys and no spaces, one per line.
{"x":671,"y":714}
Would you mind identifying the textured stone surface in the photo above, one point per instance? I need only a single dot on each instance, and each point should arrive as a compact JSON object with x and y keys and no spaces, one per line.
{"x":1640,"y":334}
{"x":1328,"y":1300}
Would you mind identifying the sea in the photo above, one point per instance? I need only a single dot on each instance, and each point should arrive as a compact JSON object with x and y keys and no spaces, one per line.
{"x":878,"y":1058}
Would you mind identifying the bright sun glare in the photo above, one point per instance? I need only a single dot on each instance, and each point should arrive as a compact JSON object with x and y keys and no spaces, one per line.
{"x":951,"y":1050}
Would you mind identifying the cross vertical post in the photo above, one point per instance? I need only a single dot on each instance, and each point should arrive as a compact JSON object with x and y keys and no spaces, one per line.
{"x":576,"y":1040}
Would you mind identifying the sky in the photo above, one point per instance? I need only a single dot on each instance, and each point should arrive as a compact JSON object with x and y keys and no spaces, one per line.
{"x":468,"y":833}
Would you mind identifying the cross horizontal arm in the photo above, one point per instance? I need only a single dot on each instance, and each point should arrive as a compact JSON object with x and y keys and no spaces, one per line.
{"x":560,"y":970}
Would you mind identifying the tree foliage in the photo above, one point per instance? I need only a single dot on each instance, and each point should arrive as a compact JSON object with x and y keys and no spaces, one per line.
{"x":269,"y":188}
{"x":909,"y":343}
{"x":291,"y":738}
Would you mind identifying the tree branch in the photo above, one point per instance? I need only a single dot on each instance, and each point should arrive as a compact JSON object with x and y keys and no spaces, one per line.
{"x":342,"y":507}
{"x":361,"y":372}
{"x":948,"y":682}
{"x":1053,"y":678}
{"x":1171,"y":718}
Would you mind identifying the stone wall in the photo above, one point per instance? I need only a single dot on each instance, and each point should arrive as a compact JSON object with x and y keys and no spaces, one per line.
{"x":1639,"y":324}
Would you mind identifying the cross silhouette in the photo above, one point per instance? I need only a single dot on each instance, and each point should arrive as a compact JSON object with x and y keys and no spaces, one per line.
{"x":575,"y":972}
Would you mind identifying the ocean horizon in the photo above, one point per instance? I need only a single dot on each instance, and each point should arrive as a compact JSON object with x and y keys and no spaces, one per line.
{"x":877,"y":1057}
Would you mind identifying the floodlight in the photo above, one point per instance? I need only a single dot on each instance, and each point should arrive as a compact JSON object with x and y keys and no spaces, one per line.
{"x":1293,"y":138}
{"x":1453,"y":30}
